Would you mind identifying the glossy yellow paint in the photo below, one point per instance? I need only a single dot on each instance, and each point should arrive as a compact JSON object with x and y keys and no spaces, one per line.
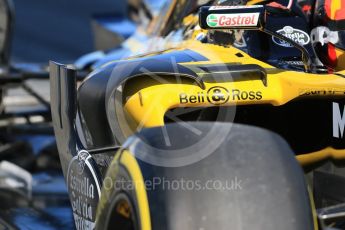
{"x":313,"y":208}
{"x":254,"y":2}
{"x":318,"y":156}
{"x":190,"y":20}
{"x":131,"y":165}
{"x":220,"y":54}
{"x":340,"y":59}
{"x":148,"y":106}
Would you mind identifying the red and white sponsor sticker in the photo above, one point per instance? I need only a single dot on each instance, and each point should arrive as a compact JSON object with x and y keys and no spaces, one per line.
{"x":232,"y":20}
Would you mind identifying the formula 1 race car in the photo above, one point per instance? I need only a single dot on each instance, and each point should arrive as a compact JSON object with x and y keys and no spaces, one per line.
{"x":245,"y":133}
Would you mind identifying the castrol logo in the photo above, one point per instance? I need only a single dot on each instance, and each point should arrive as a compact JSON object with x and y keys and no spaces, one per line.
{"x":232,"y":20}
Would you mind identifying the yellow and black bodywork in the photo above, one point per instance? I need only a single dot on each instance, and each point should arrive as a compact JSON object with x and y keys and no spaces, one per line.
{"x":303,"y":108}
{"x":276,"y":96}
{"x":101,"y":128}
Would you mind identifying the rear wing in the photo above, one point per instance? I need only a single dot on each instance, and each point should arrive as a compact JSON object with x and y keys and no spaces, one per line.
{"x":80,"y":170}
{"x":63,"y":109}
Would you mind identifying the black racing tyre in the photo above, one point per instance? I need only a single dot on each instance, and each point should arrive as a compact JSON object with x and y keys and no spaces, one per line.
{"x":121,"y":211}
{"x":270,"y":192}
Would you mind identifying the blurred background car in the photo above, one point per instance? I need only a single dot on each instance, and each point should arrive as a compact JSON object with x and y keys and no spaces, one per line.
{"x":87,"y":34}
{"x":32,"y":188}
